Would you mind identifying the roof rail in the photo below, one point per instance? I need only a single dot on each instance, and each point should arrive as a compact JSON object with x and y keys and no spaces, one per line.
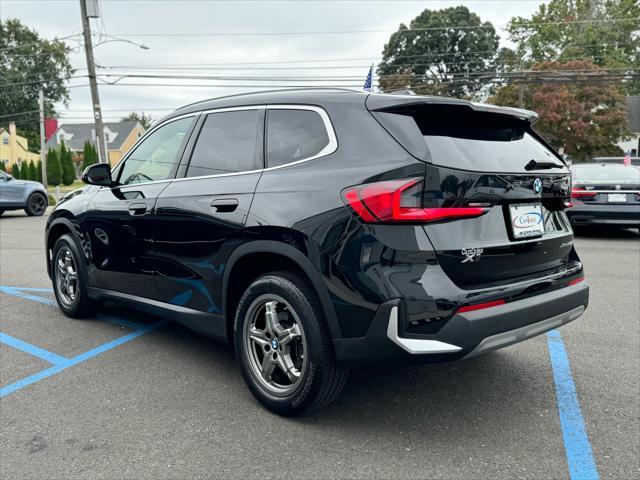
{"x":257,"y":92}
{"x":404,"y":91}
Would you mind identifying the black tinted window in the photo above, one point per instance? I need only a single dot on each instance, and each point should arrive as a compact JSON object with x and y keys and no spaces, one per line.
{"x":294,"y":135}
{"x":461,"y":138}
{"x":226,"y":144}
{"x":156,"y":158}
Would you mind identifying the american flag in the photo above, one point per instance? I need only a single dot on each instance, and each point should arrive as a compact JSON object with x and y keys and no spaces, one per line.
{"x":627,"y":158}
{"x":367,"y":83}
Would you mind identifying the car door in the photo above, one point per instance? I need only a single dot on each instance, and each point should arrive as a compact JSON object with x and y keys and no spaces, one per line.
{"x":11,"y":190}
{"x":200,"y":217}
{"x":119,"y":220}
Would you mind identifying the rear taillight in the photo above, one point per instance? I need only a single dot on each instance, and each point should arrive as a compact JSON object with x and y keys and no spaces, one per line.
{"x":579,"y":193}
{"x":400,"y":201}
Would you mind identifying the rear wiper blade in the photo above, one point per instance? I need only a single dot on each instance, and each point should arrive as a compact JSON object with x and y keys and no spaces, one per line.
{"x":533,"y":165}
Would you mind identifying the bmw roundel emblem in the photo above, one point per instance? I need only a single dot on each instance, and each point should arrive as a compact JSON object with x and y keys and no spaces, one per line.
{"x":274,"y":343}
{"x":537,"y":186}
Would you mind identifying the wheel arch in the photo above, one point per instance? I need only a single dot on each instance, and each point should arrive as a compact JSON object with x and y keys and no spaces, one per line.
{"x":269,"y":252}
{"x":55,"y":230}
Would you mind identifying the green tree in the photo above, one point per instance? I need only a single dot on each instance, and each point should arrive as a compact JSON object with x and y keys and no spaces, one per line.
{"x":32,"y":170}
{"x":66,"y":162}
{"x":27,"y":64}
{"x":585,"y":119}
{"x":607,"y":32}
{"x":54,"y":170}
{"x":89,"y":155}
{"x":24,"y":170}
{"x":144,"y":120}
{"x":432,"y":56}
{"x":15,"y":170}
{"x":2,"y":166}
{"x":39,"y":171}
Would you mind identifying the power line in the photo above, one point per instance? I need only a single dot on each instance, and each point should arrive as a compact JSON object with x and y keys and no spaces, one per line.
{"x":381,"y":30}
{"x":19,"y":113}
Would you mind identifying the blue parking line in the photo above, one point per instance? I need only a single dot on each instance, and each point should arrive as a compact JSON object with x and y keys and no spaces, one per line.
{"x":83,"y":357}
{"x":59,"y":362}
{"x":582,"y":465}
{"x":21,"y":292}
{"x":32,"y":289}
{"x":41,"y":353}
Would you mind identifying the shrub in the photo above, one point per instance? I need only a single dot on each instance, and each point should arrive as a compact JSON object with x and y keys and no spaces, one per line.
{"x":54,"y":170}
{"x":39,"y":171}
{"x":66,"y":163}
{"x":32,"y":170}
{"x":24,"y":170}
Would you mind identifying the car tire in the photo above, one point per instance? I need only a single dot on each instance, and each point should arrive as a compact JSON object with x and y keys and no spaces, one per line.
{"x":277,"y":308}
{"x":36,"y":204}
{"x":70,"y":280}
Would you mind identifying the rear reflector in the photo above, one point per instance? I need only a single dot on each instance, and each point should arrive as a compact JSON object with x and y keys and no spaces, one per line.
{"x":576,"y":280}
{"x":480,"y":306}
{"x":400,"y":201}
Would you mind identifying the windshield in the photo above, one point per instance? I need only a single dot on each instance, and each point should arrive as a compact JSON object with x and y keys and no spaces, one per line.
{"x":606,"y":174}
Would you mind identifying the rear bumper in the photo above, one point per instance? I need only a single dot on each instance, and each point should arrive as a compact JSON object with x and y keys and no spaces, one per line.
{"x":465,"y":335}
{"x":614,"y":215}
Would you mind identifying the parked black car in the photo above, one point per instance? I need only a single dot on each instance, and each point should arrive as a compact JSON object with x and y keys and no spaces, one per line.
{"x":319,"y":230}
{"x":605,"y":195}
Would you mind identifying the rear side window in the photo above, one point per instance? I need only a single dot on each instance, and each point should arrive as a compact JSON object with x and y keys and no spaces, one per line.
{"x":458,"y":137}
{"x":226,"y":144}
{"x":294,"y":135}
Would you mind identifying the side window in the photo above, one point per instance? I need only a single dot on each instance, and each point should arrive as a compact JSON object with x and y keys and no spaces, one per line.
{"x":226,"y":144}
{"x":156,"y":158}
{"x":294,"y":135}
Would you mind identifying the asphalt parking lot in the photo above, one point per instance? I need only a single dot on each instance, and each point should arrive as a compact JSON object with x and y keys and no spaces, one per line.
{"x":129,"y":396}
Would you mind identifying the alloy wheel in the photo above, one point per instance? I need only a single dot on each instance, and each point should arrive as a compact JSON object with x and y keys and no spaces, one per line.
{"x":66,"y":275}
{"x":38,"y":204}
{"x":275,"y":344}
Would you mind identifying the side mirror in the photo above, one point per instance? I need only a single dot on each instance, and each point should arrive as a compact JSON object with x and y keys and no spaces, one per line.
{"x":9,"y":176}
{"x":98,"y":174}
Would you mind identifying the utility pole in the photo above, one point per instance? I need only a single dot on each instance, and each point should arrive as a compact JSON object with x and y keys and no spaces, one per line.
{"x":43,"y":158}
{"x":93,"y":84}
{"x":521,"y":85}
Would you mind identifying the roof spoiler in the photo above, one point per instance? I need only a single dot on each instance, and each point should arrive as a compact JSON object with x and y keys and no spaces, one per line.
{"x":382,"y":102}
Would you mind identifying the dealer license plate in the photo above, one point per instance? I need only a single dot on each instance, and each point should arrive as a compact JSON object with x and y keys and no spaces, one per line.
{"x":526,"y":221}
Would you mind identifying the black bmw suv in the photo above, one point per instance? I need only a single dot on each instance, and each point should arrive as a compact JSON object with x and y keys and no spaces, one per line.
{"x":319,"y":230}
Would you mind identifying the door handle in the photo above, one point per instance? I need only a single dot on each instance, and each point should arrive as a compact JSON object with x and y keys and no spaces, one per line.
{"x":138,"y":208}
{"x":225,"y":205}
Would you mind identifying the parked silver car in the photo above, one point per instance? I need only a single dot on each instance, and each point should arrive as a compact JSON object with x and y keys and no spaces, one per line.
{"x":22,"y":194}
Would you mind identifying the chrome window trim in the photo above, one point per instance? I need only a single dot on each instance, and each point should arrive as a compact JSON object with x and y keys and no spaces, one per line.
{"x":331,"y":147}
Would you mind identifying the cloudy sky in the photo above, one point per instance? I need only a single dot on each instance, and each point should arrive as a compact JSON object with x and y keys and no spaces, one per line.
{"x":240,"y":38}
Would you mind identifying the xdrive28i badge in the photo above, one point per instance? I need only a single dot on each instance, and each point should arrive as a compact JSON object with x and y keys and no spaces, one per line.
{"x":471,"y":254}
{"x":537,"y":186}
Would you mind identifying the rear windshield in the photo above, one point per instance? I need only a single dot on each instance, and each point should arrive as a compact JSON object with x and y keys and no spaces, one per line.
{"x":458,"y":137}
{"x":606,"y":174}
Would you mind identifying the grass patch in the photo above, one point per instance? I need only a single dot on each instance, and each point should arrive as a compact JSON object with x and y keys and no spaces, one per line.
{"x":66,"y":188}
